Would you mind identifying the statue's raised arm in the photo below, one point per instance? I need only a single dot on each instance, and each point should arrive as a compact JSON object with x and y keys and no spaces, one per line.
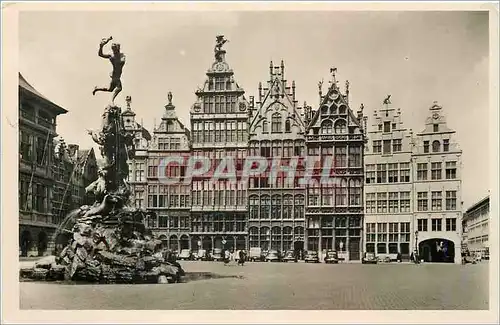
{"x":104,"y":41}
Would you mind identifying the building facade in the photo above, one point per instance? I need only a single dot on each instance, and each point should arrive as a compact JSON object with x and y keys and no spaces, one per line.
{"x":72,"y":170}
{"x":170,"y":201}
{"x":37,"y":129}
{"x":437,"y":190}
{"x":219,"y":124}
{"x":476,"y":227}
{"x":388,"y":185}
{"x":276,"y":203}
{"x":334,"y":209}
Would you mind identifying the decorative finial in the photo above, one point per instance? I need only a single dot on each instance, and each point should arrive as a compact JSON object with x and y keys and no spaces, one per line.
{"x":320,"y":85}
{"x":387,"y":100}
{"x":347,"y":86}
{"x":128,"y":99}
{"x":362,"y":107}
{"x":169,"y":96}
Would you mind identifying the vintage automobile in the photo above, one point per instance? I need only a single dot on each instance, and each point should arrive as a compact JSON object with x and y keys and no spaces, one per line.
{"x":256,"y":254}
{"x":202,"y":255}
{"x":185,"y":255}
{"x":311,"y":256}
{"x":217,"y":255}
{"x":369,"y":258}
{"x":331,"y":257}
{"x":290,"y":256}
{"x":273,"y":256}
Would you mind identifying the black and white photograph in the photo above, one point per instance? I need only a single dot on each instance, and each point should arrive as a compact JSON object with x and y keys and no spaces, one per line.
{"x":251,"y":157}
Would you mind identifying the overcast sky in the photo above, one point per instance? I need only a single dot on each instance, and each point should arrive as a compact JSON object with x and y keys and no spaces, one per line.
{"x":417,"y":57}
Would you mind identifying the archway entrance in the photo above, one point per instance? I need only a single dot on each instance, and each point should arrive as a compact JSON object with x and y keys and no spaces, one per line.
{"x":42,"y":243}
{"x":298,"y":247}
{"x":25,"y":242}
{"x":184,"y":242}
{"x":437,"y":250}
{"x":173,"y":243}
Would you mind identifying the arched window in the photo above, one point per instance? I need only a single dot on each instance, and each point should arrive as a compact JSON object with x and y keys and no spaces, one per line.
{"x":340,"y":126}
{"x":324,"y":109}
{"x":288,"y":126}
{"x":327,"y":127}
{"x":276,"y":123}
{"x":342,"y":109}
{"x":265,"y":206}
{"x":265,"y":126}
{"x":276,"y":207}
{"x":254,"y":207}
{"x":436,"y":146}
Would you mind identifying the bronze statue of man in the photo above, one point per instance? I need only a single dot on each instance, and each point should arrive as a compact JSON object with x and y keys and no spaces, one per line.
{"x":117,"y":59}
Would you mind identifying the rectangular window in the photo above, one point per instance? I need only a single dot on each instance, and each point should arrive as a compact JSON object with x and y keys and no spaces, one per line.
{"x":436,"y":224}
{"x":435,"y":127}
{"x":387,"y":127}
{"x":437,"y":201}
{"x":393,"y":173}
{"x":382,"y":232}
{"x":446,"y":145}
{"x":404,"y":176}
{"x":451,"y":170}
{"x":422,"y":224}
{"x":405,"y":232}
{"x":422,"y":201}
{"x":387,"y":146}
{"x":370,"y":203}
{"x":381,"y":202}
{"x":422,"y":171}
{"x":381,"y":173}
{"x":393,"y":232}
{"x":393,"y":202}
{"x":377,"y":146}
{"x":370,"y":173}
{"x":451,"y":200}
{"x":426,"y":146}
{"x":381,"y":248}
{"x":451,"y":224}
{"x":396,"y":145}
{"x":404,"y":201}
{"x":436,"y":171}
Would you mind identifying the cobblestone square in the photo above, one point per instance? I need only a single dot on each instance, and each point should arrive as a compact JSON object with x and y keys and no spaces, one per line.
{"x":275,"y":286}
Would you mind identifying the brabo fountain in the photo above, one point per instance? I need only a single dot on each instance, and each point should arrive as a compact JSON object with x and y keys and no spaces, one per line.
{"x":109,"y":241}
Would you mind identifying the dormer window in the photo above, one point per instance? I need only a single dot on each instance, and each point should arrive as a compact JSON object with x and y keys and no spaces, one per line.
{"x":436,"y":146}
{"x":287,"y":125}
{"x":446,"y":145}
{"x":426,"y":146}
{"x":436,"y":127}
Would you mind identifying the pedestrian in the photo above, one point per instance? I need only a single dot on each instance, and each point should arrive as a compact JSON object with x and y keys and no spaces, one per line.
{"x":227,"y":257}
{"x":241,"y":258}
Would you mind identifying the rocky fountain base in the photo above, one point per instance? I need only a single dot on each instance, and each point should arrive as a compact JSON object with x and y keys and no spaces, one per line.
{"x":114,"y":250}
{"x":109,"y":243}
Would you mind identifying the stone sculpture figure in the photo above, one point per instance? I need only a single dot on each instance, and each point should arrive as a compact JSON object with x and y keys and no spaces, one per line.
{"x":387,"y":100}
{"x":117,"y":59}
{"x":218,"y":47}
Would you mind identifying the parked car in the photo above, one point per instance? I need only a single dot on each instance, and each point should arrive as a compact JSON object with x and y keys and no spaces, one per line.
{"x":202,"y":255}
{"x":290,"y":256}
{"x":331,"y":257}
{"x":256,"y":254}
{"x":273,"y":256}
{"x":469,"y":259}
{"x":311,"y":256}
{"x":369,"y":258}
{"x":185,"y":255}
{"x":217,"y":255}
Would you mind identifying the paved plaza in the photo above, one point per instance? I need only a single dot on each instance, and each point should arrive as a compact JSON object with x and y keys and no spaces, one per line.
{"x":211,"y":285}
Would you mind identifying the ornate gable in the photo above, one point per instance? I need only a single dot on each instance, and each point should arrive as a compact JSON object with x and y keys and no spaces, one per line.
{"x":334,"y":116}
{"x":277,"y":110}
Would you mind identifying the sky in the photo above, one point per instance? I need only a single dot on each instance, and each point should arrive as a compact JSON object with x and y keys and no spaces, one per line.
{"x":417,"y":57}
